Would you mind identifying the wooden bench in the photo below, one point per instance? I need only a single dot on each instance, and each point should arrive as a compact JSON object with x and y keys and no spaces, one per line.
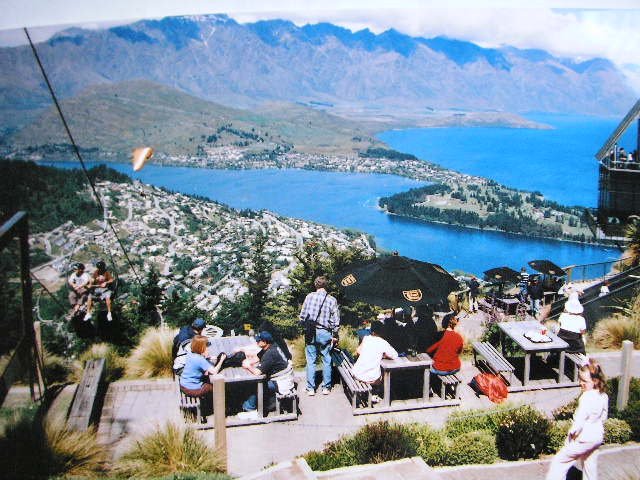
{"x":449,"y":382}
{"x":578,"y":360}
{"x":350,"y":384}
{"x":493,"y":359}
{"x":84,"y":408}
{"x":190,"y":407}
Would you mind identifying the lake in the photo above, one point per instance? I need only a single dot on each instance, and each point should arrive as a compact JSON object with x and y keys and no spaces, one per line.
{"x":349,"y":200}
{"x":560,"y":162}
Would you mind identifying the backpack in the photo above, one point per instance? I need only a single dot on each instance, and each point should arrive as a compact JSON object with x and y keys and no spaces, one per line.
{"x":491,"y":385}
{"x":181,"y":357}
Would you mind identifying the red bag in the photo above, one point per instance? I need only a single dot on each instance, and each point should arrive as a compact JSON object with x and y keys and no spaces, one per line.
{"x":492,"y":386}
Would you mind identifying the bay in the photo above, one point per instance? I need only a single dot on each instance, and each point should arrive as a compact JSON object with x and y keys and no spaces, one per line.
{"x":559,"y":162}
{"x":349,"y":200}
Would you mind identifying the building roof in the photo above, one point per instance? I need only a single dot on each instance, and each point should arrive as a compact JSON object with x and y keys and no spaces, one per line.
{"x":615,"y":136}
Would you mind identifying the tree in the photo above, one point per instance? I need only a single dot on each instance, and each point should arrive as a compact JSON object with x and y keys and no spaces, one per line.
{"x":179,"y":308}
{"x":151,"y":295}
{"x":258,"y":280}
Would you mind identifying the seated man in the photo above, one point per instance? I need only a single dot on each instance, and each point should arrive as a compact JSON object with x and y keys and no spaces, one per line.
{"x":187,"y":332}
{"x":78,"y":283}
{"x":370,"y":353}
{"x":446,"y":360}
{"x":272,"y":363}
{"x":100,"y":284}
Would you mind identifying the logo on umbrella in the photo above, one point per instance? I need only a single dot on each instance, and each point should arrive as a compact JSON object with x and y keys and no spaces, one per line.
{"x":348,"y":280}
{"x":412,"y":295}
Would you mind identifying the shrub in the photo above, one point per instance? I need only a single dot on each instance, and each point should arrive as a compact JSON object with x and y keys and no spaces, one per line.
{"x":431,"y":444}
{"x":474,"y":420}
{"x":114,"y":363}
{"x":610,"y":332}
{"x":566,"y":412}
{"x":152,"y":357}
{"x":472,"y":447}
{"x":612,"y":389}
{"x":169,"y":450}
{"x":523,"y":433}
{"x":558,"y":432}
{"x":32,"y":448}
{"x":616,"y":431}
{"x":340,"y":453}
{"x":56,"y":368}
{"x":631,"y":415}
{"x":381,"y":442}
{"x":297,"y":352}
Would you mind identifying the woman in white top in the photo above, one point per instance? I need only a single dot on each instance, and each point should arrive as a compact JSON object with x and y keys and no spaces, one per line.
{"x":587,"y":430}
{"x":573,"y":325}
{"x":371,"y":352}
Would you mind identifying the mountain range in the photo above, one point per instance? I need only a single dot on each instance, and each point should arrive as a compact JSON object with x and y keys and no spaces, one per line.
{"x":362,"y":74}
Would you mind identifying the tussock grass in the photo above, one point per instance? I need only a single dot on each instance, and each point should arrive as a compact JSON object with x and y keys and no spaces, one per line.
{"x":56,"y":368}
{"x":152,"y":357}
{"x":167,"y":450}
{"x":610,"y":332}
{"x":115,"y":363}
{"x":32,"y":448}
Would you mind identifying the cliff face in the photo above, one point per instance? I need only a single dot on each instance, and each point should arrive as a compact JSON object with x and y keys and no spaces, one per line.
{"x":215,"y":58}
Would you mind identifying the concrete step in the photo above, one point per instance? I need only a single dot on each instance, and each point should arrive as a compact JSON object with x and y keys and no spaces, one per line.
{"x":297,"y":469}
{"x":405,"y":469}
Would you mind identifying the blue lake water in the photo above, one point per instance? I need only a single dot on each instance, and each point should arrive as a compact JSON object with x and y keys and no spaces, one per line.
{"x":349,"y":200}
{"x":560,"y":163}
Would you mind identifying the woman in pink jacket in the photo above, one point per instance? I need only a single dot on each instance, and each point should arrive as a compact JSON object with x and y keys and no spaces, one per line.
{"x":587,"y":431}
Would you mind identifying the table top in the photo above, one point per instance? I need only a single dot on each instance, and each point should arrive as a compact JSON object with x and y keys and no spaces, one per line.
{"x":509,"y":301}
{"x":419,"y":360}
{"x":516,"y":331}
{"x":227,"y":345}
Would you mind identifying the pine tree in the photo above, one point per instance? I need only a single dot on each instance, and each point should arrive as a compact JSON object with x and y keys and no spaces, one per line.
{"x":258,"y":281}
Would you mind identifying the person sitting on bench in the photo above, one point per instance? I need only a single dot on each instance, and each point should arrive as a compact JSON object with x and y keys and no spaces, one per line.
{"x":371,"y":352}
{"x":194,"y":381}
{"x":446,"y":360}
{"x":572,"y":325}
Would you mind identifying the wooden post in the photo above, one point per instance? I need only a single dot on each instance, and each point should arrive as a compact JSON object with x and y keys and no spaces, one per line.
{"x":39,"y":354}
{"x":219,"y":418}
{"x":625,"y":375}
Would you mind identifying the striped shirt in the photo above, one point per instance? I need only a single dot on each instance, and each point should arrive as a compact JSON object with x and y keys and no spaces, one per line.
{"x":524,"y":279}
{"x":329,"y":316}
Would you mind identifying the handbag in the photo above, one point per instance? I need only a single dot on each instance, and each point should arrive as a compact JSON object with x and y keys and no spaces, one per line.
{"x":310,"y":325}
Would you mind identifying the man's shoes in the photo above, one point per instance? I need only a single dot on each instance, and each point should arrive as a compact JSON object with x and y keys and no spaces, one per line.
{"x":326,"y":391}
{"x":109,"y":317}
{"x":87,"y":317}
{"x":250,"y":415}
{"x":375,"y":398}
{"x":310,"y":392}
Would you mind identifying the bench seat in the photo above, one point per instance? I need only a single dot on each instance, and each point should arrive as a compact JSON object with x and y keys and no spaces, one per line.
{"x":450,"y":382}
{"x":578,"y":360}
{"x":493,"y":359}
{"x":351,"y":385}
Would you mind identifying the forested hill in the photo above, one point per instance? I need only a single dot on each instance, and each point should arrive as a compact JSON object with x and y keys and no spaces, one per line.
{"x":493,"y":206}
{"x":50,"y":196}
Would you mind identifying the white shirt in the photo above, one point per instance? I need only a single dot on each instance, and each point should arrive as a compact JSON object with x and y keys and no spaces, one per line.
{"x":604,"y":290}
{"x":588,"y":420}
{"x":372,"y":349}
{"x":79,"y":281}
{"x":572,"y":323}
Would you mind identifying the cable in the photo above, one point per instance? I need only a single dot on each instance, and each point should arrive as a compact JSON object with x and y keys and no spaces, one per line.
{"x":77,"y":153}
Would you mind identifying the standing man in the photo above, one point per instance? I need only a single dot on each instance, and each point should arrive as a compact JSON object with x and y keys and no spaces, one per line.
{"x":474,"y":290}
{"x":523,"y":284}
{"x":536,"y":293}
{"x":321,"y":308}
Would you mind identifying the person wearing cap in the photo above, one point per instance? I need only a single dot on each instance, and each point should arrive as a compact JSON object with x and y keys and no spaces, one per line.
{"x":446,"y":359}
{"x":186,"y":333}
{"x":321,"y":308}
{"x":272,"y":363}
{"x":100,"y":284}
{"x":572,"y":325}
{"x":474,"y":290}
{"x":78,"y":282}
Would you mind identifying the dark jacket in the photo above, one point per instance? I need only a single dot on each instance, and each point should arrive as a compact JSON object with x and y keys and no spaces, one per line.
{"x":186,"y":333}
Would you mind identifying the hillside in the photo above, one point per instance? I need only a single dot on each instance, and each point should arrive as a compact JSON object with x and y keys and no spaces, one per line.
{"x":325,"y":66}
{"x":109,"y":120}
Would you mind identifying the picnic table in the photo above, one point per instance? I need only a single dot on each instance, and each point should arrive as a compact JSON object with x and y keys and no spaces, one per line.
{"x":509,"y":305}
{"x":516,"y":331}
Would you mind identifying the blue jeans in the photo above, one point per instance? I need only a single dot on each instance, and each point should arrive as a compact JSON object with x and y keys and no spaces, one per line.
{"x":442,"y":372}
{"x":535,"y":306}
{"x":251,"y":403}
{"x":322,"y":345}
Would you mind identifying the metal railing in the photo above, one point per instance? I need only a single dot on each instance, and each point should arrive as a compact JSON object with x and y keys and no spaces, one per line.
{"x":596,"y":271}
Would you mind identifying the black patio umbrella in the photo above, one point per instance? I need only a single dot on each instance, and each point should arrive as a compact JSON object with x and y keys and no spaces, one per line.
{"x":396,"y":281}
{"x":547,"y":267}
{"x":502,"y":275}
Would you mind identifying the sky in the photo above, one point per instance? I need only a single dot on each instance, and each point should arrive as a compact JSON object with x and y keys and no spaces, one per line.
{"x":577,"y":29}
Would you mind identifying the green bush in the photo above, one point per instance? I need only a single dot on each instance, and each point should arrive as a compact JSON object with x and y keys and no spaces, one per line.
{"x":566,"y":411}
{"x":472,"y":447}
{"x":56,"y":368}
{"x":631,"y":415}
{"x":473,"y":420}
{"x":523,"y":433}
{"x":374,"y":443}
{"x":612,"y":390}
{"x":558,"y":432}
{"x":617,"y":431}
{"x":432,"y":444}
